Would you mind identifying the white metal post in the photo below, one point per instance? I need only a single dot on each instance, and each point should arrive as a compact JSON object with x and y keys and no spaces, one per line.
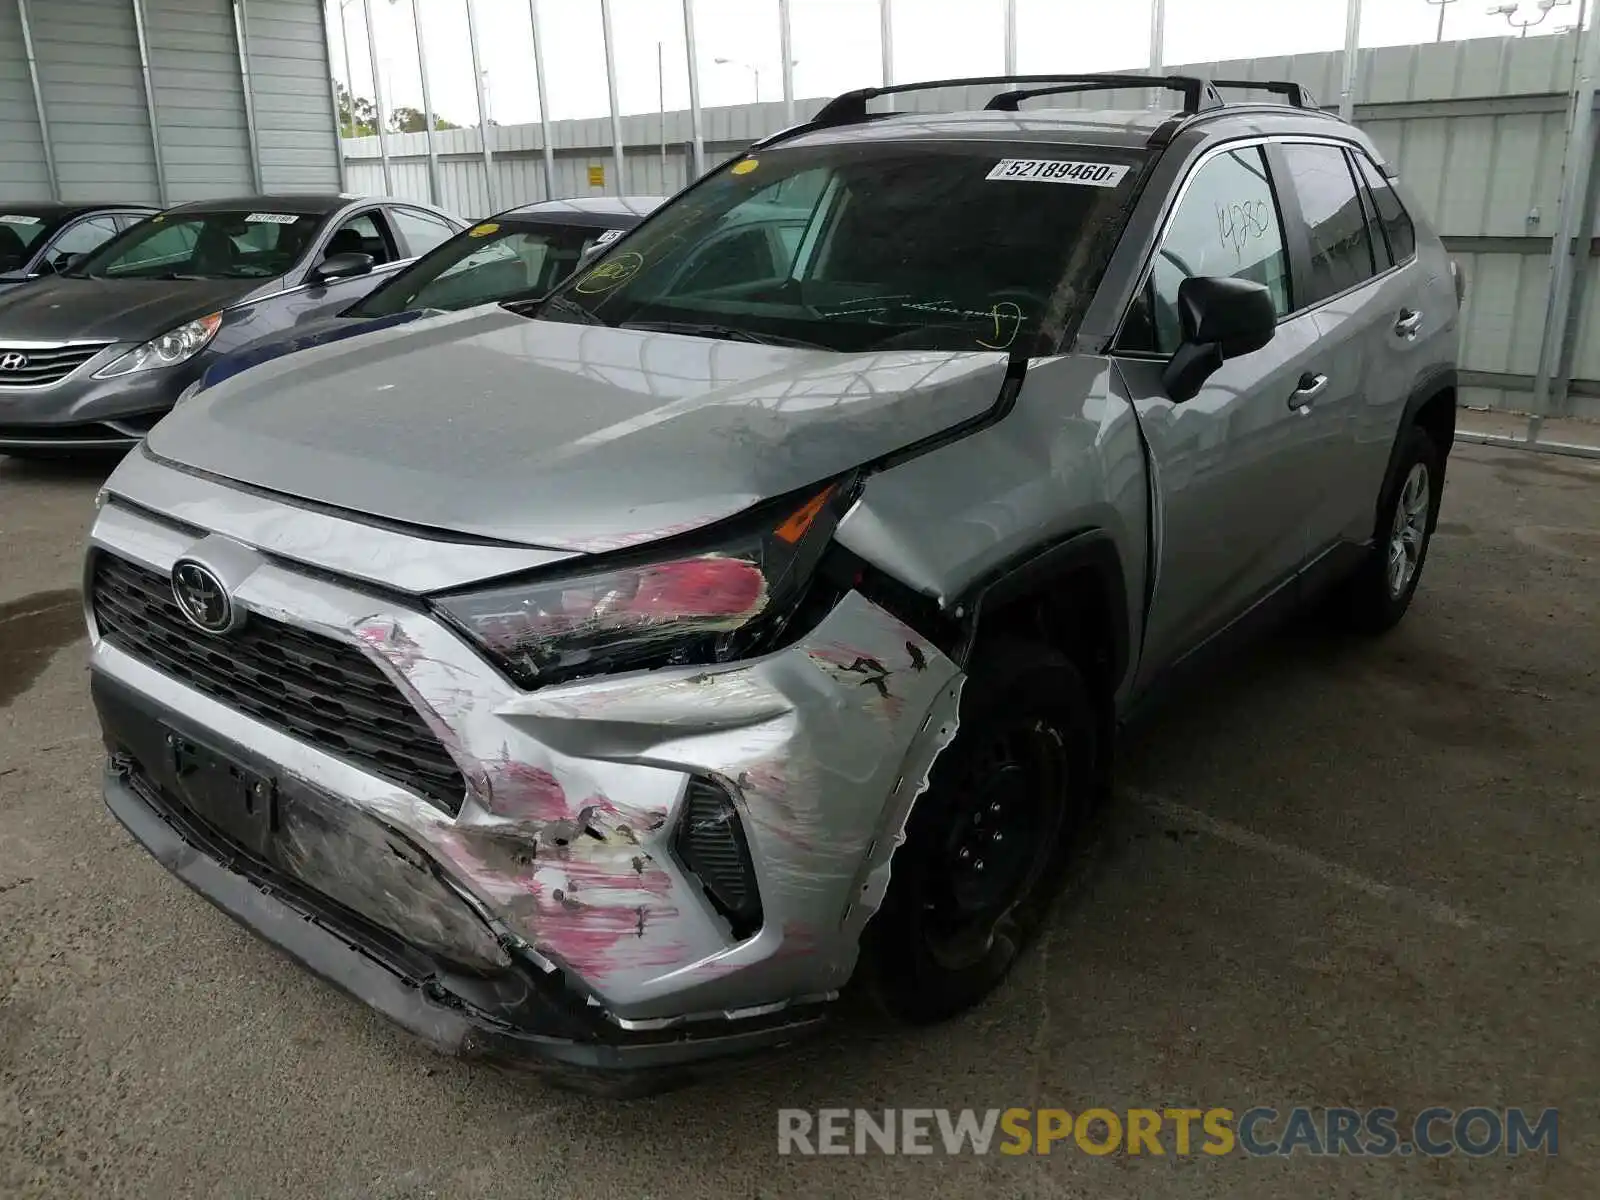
{"x":490,"y":184}
{"x":661,"y":107}
{"x":608,"y":38}
{"x":377,"y":98}
{"x":349,"y":70}
{"x":1158,"y":35}
{"x":1011,"y":37}
{"x":1569,"y":254}
{"x":786,"y":48}
{"x":150,"y":96}
{"x":544,"y":101}
{"x":38,"y":101}
{"x":1352,"y":48}
{"x":333,"y":94}
{"x":434,"y":187}
{"x":241,"y":40}
{"x":695,"y":119}
{"x":886,"y":39}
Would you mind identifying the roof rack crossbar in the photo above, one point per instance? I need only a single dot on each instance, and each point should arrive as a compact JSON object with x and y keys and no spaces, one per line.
{"x":1298,"y":96}
{"x":848,"y":108}
{"x":1198,"y":94}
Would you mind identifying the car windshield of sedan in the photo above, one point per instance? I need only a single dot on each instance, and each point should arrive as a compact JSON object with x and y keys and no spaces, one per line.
{"x":494,"y":260}
{"x":850,"y":247}
{"x":20,"y":231}
{"x":214,"y":245}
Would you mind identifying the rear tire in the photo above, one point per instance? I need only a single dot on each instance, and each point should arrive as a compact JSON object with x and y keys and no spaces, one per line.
{"x":1374,"y":599}
{"x":987,"y":842}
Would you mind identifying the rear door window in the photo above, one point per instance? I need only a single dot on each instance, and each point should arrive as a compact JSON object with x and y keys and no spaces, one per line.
{"x":1341,"y":248}
{"x":1392,"y":216}
{"x":421,"y":231}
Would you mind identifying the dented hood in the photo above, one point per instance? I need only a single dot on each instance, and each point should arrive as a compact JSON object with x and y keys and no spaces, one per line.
{"x":572,"y":437}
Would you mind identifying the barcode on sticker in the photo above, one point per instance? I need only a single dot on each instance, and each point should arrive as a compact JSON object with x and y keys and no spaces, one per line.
{"x":607,"y":236}
{"x":17,"y":219}
{"x":271,"y":219}
{"x":1058,"y":170}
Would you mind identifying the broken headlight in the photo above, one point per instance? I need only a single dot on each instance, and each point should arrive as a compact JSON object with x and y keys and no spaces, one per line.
{"x":715,"y":601}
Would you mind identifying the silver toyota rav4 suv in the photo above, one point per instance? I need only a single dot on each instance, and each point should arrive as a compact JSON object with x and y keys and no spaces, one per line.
{"x":602,"y":683}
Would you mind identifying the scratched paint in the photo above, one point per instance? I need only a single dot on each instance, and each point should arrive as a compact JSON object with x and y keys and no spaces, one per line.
{"x":557,"y":839}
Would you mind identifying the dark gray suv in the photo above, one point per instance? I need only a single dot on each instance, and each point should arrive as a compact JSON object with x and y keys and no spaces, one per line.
{"x":606,"y":682}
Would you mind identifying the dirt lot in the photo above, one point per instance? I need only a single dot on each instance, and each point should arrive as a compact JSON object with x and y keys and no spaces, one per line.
{"x":1346,"y":874}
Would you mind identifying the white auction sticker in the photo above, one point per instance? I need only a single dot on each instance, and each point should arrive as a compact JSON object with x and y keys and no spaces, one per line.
{"x":17,"y":219}
{"x":1058,"y":170}
{"x":607,"y":236}
{"x":271,"y":219}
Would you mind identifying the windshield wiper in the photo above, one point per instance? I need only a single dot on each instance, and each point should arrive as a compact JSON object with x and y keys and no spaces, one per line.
{"x":727,"y":333}
{"x":535,"y":306}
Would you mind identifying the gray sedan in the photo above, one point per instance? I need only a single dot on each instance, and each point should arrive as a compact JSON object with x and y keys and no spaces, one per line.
{"x":91,"y":358}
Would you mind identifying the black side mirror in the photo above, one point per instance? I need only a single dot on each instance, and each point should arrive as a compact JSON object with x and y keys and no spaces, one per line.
{"x":1221,"y":318}
{"x":341,"y":266}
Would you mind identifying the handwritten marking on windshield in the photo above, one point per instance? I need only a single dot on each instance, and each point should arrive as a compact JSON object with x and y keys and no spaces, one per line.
{"x":612,"y":273}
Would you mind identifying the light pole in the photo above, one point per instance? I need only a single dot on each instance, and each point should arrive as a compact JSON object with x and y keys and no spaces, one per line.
{"x":1441,"y":5}
{"x":1509,"y":12}
{"x":755,"y":71}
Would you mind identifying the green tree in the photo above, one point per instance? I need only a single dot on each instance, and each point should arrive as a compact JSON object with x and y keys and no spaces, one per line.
{"x":358,"y":116}
{"x":406,"y":119}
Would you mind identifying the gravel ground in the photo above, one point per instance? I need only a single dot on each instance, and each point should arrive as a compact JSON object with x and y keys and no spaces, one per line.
{"x":1343,"y":873}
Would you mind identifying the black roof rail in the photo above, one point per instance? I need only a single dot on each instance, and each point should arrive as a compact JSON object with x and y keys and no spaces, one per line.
{"x":1297,"y":96}
{"x":849,"y":108}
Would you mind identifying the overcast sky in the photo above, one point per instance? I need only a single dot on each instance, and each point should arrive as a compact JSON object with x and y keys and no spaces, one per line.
{"x":836,"y":46}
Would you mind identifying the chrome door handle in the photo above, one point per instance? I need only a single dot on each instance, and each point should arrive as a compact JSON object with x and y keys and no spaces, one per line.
{"x":1311,"y":386}
{"x":1409,"y":323}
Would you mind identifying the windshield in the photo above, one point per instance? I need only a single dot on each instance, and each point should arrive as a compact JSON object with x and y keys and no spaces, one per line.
{"x":495,"y":260}
{"x":871,"y":246}
{"x":253,"y":244}
{"x":20,"y":232}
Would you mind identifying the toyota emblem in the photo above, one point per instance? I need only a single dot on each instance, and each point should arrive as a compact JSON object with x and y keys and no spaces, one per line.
{"x":203,"y":599}
{"x":15,"y":360}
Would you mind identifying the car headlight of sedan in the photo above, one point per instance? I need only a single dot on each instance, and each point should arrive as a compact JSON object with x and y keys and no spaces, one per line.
{"x":171,"y":348}
{"x":720,"y":598}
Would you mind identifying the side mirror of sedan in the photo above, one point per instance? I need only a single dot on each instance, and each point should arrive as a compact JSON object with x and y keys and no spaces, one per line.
{"x":1221,"y":318}
{"x":341,"y":266}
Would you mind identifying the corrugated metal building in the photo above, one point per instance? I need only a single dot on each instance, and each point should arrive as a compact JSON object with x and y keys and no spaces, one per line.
{"x":163,"y":100}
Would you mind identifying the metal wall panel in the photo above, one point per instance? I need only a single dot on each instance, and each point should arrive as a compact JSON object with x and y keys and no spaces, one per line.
{"x":24,"y":174}
{"x":99,"y":118}
{"x":199,"y":97}
{"x":93,"y":89}
{"x":293,"y":104}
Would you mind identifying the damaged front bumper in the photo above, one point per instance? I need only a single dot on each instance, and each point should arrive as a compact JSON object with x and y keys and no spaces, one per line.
{"x":549,"y":919}
{"x":510,"y":1016}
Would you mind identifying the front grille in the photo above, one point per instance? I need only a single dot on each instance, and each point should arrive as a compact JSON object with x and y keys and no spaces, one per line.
{"x":93,"y":431}
{"x":711,"y":844}
{"x":42,"y":367}
{"x":323,"y":692}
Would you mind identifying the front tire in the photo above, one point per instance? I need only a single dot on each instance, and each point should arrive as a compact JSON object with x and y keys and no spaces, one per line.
{"x":986,"y":844}
{"x":1375,"y":598}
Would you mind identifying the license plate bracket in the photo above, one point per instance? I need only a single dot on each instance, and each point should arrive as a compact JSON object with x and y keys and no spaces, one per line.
{"x":237,"y":800}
